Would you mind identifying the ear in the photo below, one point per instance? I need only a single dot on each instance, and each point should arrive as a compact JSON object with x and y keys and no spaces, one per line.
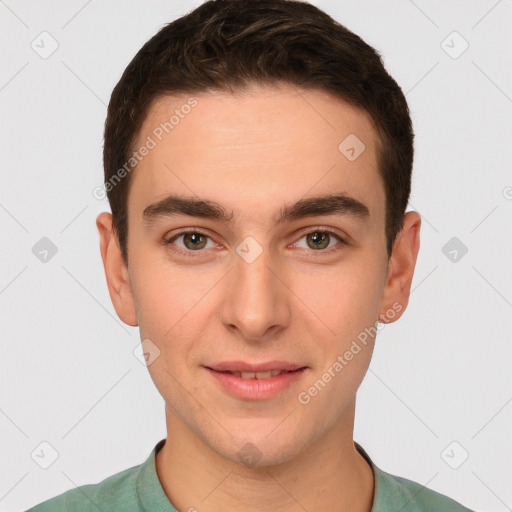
{"x":116,"y":272}
{"x":402,"y":262}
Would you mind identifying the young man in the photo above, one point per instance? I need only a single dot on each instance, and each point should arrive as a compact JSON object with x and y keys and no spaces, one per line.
{"x":258,"y":165}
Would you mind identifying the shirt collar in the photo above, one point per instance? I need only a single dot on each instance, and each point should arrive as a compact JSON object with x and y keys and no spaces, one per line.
{"x":150,"y":493}
{"x":388,"y":494}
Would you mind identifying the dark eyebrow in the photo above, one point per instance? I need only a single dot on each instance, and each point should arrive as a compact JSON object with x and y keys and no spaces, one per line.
{"x":336,"y":204}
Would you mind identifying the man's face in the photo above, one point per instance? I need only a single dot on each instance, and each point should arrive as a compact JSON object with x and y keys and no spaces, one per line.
{"x":229,"y":295}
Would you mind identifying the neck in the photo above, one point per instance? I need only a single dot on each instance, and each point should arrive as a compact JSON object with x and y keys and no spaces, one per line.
{"x":328,"y":475}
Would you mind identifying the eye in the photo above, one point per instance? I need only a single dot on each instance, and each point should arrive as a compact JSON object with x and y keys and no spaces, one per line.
{"x":191,"y":241}
{"x":319,"y":240}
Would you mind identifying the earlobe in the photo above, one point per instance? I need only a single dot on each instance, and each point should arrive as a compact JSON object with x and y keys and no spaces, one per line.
{"x":116,"y":273}
{"x":395,"y":297}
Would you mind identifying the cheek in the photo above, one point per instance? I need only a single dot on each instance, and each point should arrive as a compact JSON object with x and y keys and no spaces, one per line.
{"x":170,"y":313}
{"x":175,"y":312}
{"x":344,"y":325}
{"x":167,"y":297}
{"x":342,"y":300}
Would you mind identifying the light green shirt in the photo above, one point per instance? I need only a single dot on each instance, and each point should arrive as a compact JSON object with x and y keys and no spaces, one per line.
{"x":138,"y":489}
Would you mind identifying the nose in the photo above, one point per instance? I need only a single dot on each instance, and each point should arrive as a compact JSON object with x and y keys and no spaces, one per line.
{"x":256,"y":303}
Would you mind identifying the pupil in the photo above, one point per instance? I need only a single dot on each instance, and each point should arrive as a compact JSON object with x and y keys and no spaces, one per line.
{"x":319,"y":239}
{"x":193,"y":240}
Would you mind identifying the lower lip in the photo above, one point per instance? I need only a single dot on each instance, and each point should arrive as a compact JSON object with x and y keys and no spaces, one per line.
{"x":256,"y":389}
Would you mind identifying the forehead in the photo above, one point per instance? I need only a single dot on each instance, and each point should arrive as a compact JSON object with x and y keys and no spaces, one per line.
{"x":256,"y":148}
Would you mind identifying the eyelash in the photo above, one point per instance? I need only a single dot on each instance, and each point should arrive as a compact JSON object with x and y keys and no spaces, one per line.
{"x":194,"y":254}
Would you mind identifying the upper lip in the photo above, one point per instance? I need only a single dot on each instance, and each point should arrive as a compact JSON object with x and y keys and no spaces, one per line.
{"x":241,"y":366}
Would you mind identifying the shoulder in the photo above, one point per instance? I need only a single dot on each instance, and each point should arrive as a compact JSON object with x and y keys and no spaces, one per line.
{"x":413,"y":497}
{"x":117,"y":492}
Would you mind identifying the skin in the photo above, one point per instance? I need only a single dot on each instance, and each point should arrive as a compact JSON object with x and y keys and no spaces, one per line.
{"x":253,"y":153}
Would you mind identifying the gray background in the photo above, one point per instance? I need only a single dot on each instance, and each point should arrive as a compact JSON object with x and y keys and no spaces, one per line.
{"x":439,"y":385}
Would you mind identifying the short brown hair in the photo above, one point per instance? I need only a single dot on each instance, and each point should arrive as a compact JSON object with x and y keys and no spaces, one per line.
{"x":227,"y":45}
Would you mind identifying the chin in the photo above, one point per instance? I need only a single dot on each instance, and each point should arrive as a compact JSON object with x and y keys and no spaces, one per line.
{"x":258,"y":449}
